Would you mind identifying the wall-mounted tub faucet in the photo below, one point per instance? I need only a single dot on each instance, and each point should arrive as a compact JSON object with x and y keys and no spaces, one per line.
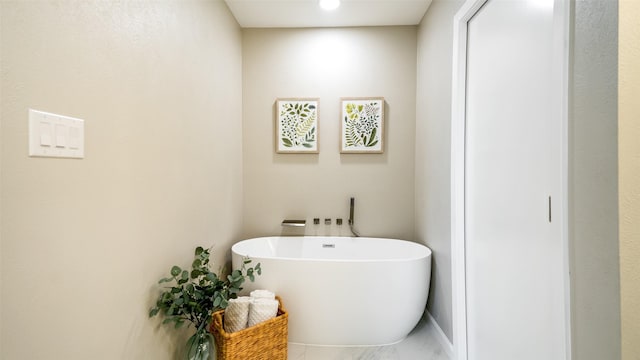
{"x":294,"y":223}
{"x":351,"y":222}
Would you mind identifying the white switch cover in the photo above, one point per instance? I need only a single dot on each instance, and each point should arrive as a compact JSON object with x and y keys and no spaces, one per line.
{"x":45,"y":133}
{"x":52,"y":135}
{"x":61,"y":136}
{"x":74,"y":138}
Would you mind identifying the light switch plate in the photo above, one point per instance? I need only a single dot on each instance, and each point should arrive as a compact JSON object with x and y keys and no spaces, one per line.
{"x":52,"y":135}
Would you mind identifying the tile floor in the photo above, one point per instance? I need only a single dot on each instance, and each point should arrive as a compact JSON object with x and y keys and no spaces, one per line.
{"x":421,"y":344}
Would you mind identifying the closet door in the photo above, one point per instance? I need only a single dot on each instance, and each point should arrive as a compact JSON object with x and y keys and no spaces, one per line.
{"x":514,"y":265}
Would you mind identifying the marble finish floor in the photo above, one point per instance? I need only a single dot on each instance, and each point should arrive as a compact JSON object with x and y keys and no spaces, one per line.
{"x":421,"y":344}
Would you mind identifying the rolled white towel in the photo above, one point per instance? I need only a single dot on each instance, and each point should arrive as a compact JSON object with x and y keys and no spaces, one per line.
{"x":262,"y":294}
{"x":236,"y":315}
{"x":262,"y":310}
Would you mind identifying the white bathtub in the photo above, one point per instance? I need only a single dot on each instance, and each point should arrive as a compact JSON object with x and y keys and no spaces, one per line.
{"x":343,"y":291}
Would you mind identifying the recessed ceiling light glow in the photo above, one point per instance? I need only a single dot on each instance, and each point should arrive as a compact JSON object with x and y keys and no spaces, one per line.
{"x":329,"y":4}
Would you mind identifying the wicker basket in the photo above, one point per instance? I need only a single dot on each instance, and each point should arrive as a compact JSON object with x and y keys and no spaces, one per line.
{"x":264,"y":341}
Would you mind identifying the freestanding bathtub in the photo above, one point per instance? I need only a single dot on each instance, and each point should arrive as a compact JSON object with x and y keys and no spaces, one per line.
{"x":342,"y":291}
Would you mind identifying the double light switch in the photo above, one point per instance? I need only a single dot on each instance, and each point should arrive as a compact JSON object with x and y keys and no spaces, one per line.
{"x":52,"y":135}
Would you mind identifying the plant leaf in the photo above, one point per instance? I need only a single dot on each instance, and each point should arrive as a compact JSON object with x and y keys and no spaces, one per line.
{"x":352,"y":138}
{"x":306,"y":125}
{"x":196,"y":263}
{"x":175,"y":270}
{"x":153,"y":312}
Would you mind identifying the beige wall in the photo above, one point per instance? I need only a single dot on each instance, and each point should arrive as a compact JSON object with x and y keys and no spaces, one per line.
{"x":593,"y":182}
{"x":433,"y":153}
{"x":329,"y":64}
{"x":158,"y":84}
{"x":629,"y":162}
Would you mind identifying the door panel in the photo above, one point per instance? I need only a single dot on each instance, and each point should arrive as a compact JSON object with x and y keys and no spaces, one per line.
{"x":514,"y":264}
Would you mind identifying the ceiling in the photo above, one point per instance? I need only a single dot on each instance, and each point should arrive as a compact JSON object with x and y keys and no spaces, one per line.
{"x":307,"y":13}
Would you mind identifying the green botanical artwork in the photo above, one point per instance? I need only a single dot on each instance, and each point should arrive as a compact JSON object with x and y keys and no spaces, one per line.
{"x":297,"y":125}
{"x":362,"y":125}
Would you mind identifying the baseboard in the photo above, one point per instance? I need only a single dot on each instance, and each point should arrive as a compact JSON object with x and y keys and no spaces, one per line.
{"x":440,"y":336}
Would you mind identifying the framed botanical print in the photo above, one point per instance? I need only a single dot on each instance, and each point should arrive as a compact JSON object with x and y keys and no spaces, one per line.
{"x":296,"y":125}
{"x":362,"y":125}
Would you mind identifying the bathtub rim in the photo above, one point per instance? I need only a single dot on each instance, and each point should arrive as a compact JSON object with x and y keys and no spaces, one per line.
{"x":427,"y":255}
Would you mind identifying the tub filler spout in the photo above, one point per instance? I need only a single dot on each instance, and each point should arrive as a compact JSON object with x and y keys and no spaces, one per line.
{"x":295,"y":223}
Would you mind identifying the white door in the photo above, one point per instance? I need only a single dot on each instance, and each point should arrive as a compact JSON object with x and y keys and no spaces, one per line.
{"x":514,"y":249}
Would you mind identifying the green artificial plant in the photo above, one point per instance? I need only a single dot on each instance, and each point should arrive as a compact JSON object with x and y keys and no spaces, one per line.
{"x":194,"y":296}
